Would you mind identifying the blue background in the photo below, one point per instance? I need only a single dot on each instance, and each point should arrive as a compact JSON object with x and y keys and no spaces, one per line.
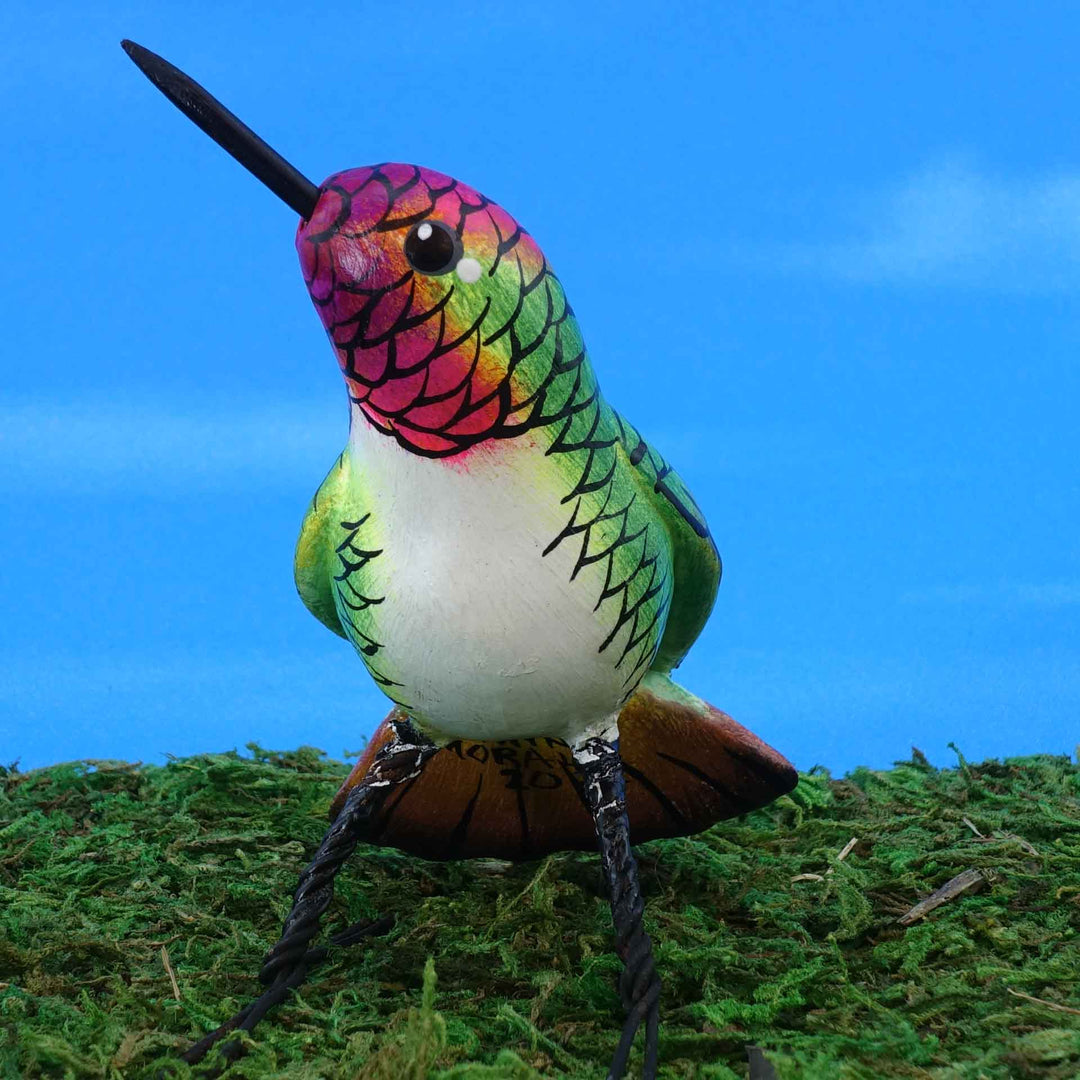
{"x":825,"y":255}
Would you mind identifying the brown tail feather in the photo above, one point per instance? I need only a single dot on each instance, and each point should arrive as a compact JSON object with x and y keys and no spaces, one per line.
{"x":687,"y":766}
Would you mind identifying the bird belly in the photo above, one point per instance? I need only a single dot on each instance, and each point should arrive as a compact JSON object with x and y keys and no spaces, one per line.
{"x":477,"y":624}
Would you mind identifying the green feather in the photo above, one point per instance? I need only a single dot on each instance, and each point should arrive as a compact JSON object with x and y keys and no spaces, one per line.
{"x":316,"y":562}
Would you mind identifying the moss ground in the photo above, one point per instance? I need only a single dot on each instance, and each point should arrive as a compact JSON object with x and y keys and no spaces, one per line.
{"x":497,"y":972}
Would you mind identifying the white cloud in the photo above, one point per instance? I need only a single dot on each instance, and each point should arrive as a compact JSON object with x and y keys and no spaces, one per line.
{"x":953,"y":225}
{"x":1053,"y":594}
{"x":62,"y":706}
{"x":141,"y":446}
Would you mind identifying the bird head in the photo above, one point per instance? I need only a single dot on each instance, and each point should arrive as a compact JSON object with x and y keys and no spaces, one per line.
{"x":442,"y":310}
{"x":448,"y":324}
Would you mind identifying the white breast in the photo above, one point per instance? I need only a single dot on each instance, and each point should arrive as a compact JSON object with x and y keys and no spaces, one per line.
{"x":488,"y":637}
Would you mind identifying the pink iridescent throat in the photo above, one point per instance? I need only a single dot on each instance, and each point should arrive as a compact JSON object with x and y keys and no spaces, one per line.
{"x":415,"y":350}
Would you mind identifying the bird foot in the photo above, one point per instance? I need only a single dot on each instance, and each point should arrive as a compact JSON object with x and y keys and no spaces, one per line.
{"x":645,"y":1010}
{"x":284,"y":983}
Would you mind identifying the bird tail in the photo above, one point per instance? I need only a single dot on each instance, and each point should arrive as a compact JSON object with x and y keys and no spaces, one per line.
{"x":687,"y":765}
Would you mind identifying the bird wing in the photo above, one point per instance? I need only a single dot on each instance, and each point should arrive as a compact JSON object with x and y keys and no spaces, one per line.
{"x":629,"y":507}
{"x":696,"y":562}
{"x":315,"y":562}
{"x":338,"y":542}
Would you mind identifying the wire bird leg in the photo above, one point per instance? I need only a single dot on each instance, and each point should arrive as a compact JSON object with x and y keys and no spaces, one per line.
{"x":639,"y":984}
{"x":287,"y":964}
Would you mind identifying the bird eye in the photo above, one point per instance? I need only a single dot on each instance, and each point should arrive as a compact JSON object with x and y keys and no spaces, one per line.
{"x":432,"y":248}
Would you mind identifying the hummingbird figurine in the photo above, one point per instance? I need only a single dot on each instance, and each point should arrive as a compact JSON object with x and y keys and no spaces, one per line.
{"x":517,"y":567}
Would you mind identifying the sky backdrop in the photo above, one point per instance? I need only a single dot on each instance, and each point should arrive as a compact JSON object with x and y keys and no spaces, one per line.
{"x":826,"y":256}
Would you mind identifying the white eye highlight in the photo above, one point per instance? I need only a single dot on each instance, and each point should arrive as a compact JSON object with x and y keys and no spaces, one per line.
{"x":468,"y":270}
{"x":424,"y":232}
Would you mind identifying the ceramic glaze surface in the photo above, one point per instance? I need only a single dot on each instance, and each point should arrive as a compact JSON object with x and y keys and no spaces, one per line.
{"x":506,"y":553}
{"x":483,"y":633}
{"x":439,"y":362}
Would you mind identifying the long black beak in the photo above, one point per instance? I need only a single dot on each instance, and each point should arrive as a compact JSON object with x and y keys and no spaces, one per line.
{"x":226,"y":130}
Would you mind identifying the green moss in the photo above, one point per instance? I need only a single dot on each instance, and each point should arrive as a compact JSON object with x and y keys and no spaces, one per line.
{"x":501,"y":972}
